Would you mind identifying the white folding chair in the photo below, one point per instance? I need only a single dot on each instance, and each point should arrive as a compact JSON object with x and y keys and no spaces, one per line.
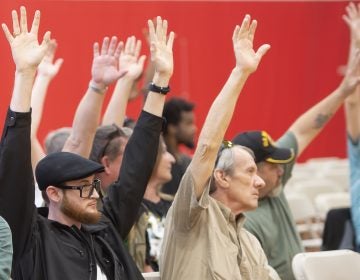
{"x":327,"y":201}
{"x":329,"y":265}
{"x":151,"y":276}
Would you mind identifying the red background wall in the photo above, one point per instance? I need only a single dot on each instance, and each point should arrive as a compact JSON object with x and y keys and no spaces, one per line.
{"x":309,"y":41}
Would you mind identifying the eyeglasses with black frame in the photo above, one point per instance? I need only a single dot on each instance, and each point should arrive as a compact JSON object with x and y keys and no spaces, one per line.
{"x":226,"y":144}
{"x":87,"y":190}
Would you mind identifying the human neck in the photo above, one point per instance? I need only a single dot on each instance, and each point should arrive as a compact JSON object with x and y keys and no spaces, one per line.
{"x":151,"y":192}
{"x":56,"y":215}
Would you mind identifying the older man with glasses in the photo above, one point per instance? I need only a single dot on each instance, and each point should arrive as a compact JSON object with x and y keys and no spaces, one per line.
{"x":75,"y":240}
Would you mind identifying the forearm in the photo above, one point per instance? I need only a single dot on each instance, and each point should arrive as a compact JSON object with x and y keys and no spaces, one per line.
{"x":309,"y":124}
{"x":154,"y":103}
{"x":214,"y":128}
{"x":116,"y":110}
{"x":39,"y":91}
{"x":21,"y":97}
{"x":85,"y":122}
{"x":16,"y":179}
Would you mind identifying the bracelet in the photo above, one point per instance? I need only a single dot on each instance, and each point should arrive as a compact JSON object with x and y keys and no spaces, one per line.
{"x":161,"y":90}
{"x":95,"y":88}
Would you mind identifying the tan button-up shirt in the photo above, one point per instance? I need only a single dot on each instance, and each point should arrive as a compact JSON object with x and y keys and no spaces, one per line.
{"x":204,"y":240}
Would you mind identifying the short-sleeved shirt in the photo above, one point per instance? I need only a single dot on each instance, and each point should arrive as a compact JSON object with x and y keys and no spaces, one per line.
{"x":204,"y":240}
{"x":273,"y":224}
{"x":6,"y":250}
{"x":353,"y":148}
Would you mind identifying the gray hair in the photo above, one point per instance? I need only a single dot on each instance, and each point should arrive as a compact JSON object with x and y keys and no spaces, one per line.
{"x":55,"y":140}
{"x":225,"y":162}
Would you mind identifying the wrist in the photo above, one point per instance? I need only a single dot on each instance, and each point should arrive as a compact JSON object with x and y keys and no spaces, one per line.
{"x":161,"y":80}
{"x":97,"y":87}
{"x":158,"y":89}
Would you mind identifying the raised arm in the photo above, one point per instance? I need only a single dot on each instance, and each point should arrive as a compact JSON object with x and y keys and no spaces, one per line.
{"x":105,"y":71}
{"x":352,"y":103}
{"x":124,"y":196}
{"x":309,"y":124}
{"x":46,"y":71}
{"x":132,"y":63}
{"x":221,"y":111}
{"x":16,"y":180}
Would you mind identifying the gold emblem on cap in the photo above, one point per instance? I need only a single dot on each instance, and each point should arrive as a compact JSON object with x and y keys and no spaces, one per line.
{"x":266,"y":139}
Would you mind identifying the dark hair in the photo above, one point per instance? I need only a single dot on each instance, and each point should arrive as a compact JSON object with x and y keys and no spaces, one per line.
{"x":55,"y":140}
{"x":173,"y":109}
{"x":108,"y":140}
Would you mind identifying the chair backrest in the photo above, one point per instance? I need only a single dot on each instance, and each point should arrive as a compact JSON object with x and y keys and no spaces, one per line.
{"x":329,"y":265}
{"x":301,"y":207}
{"x":151,"y":276}
{"x":327,"y":201}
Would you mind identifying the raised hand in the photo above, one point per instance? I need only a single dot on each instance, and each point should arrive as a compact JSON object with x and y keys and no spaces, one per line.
{"x":47,"y":68}
{"x":161,"y":47}
{"x":130,"y":62}
{"x":26,"y":50}
{"x":352,"y":19}
{"x":246,"y":58}
{"x":352,"y":78}
{"x":105,"y":67}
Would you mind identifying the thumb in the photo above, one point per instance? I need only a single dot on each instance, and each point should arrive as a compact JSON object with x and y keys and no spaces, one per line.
{"x":262,"y":50}
{"x":142,"y":61}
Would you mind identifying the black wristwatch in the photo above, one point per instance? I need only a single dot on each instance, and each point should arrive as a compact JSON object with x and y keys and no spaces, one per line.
{"x":161,"y":90}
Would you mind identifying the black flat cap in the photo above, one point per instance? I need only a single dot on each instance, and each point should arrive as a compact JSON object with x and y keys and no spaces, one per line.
{"x":60,"y":167}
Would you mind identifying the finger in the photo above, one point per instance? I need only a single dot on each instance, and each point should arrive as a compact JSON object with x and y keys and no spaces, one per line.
{"x":105,"y":46}
{"x":262,"y":50}
{"x":236,"y":33}
{"x":142,"y":61}
{"x":119,"y":49}
{"x":23,"y":20}
{"x":36,"y":22}
{"x":347,"y":20}
{"x":127,"y":45}
{"x":351,"y":10}
{"x":46,"y":40}
{"x":158,"y":27}
{"x":58,"y":63}
{"x":137,"y":48}
{"x":164,"y":30}
{"x":170,"y":41}
{"x":96,"y":49}
{"x":132,"y":44}
{"x":245,"y":24}
{"x":151,"y":30}
{"x":15,"y":20}
{"x":252,"y":30}
{"x":7,"y":33}
{"x":50,"y":53}
{"x":113,"y":45}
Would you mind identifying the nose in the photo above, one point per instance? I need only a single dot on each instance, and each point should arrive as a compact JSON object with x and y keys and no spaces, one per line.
{"x":95,"y":194}
{"x":259,"y":182}
{"x":171,"y":157}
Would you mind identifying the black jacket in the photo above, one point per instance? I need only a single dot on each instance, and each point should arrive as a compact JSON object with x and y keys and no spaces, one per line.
{"x":45,"y":249}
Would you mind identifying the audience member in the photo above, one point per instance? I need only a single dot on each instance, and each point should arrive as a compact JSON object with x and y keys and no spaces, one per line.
{"x":146,"y":236}
{"x":6,"y":250}
{"x":204,"y":238}
{"x":180,"y":129}
{"x":272,"y":222}
{"x":62,"y":246}
{"x":352,"y":117}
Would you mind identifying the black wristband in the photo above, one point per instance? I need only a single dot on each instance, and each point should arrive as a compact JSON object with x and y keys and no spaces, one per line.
{"x":161,"y":90}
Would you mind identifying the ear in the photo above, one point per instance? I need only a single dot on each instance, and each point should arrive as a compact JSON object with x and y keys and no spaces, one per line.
{"x":222,"y":179}
{"x":105,"y":161}
{"x":54,"y":194}
{"x":171,"y":129}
